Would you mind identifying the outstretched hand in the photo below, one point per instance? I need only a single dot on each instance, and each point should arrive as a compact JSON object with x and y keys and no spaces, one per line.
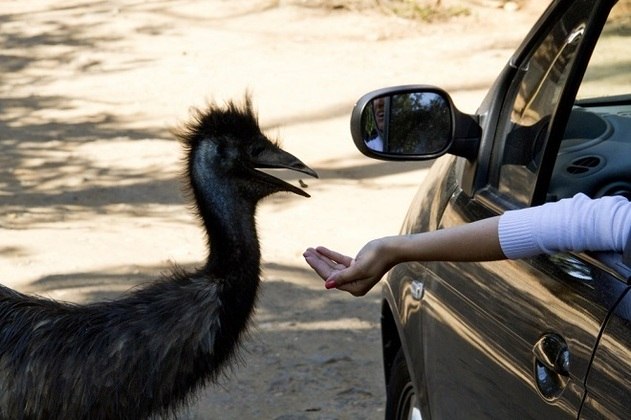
{"x":356,"y":276}
{"x":476,"y":241}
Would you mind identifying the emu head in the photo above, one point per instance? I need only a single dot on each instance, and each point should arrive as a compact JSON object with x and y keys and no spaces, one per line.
{"x":226,"y":149}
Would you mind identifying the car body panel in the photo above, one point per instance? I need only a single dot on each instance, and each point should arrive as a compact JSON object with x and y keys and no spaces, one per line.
{"x":608,"y":380}
{"x":494,"y":313}
{"x":465,"y":314}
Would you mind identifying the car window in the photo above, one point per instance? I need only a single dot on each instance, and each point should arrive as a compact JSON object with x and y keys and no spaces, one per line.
{"x":593,"y":154}
{"x":609,"y":70}
{"x":531,"y":103}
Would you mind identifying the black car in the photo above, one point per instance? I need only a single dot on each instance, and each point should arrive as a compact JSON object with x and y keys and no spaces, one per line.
{"x":542,"y":337}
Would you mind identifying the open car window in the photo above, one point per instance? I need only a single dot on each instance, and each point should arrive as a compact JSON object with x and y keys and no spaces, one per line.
{"x":593,"y":156}
{"x":609,"y":71}
{"x":532,"y":102}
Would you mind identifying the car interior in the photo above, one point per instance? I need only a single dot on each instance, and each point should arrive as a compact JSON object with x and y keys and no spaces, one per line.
{"x":593,"y":156}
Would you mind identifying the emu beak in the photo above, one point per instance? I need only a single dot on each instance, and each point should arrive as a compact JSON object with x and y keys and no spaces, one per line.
{"x":280,"y":159}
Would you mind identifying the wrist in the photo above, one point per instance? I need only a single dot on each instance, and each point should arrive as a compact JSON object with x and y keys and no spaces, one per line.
{"x":393,"y":250}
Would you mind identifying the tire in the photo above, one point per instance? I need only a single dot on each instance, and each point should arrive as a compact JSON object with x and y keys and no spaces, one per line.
{"x":401,"y":400}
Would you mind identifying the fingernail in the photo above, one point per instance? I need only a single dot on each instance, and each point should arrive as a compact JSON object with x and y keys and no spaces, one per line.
{"x":330,"y":284}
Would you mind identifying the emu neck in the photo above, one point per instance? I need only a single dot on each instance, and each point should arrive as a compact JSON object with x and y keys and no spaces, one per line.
{"x":232,"y":237}
{"x":229,"y":220}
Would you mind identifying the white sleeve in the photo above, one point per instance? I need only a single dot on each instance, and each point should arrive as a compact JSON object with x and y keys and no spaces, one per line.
{"x":573,"y":224}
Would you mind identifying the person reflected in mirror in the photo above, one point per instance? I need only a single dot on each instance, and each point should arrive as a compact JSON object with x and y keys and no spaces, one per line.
{"x":573,"y":224}
{"x":378,"y":106}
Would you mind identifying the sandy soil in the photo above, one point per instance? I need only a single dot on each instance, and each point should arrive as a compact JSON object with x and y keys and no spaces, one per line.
{"x":90,"y":202}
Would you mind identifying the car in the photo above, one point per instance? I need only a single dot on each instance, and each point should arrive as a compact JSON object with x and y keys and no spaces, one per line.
{"x":541,"y":337}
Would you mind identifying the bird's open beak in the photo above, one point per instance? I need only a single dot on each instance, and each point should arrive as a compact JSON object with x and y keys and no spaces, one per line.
{"x":279,"y":159}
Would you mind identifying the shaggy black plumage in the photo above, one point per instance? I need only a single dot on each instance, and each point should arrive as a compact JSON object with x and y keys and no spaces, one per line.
{"x":146,"y":353}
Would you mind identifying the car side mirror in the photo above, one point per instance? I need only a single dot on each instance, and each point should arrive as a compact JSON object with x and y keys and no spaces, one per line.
{"x":414,"y":122}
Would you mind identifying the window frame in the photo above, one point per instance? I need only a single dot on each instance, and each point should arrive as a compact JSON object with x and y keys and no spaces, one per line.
{"x":559,"y":116}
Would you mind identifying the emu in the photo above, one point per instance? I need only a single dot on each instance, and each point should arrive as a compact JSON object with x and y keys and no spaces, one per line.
{"x":147,"y":353}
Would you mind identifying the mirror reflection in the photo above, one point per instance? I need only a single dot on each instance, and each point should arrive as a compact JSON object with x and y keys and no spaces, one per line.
{"x":417,"y":123}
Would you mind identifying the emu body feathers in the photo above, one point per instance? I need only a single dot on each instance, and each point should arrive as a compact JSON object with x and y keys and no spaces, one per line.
{"x":146,"y":353}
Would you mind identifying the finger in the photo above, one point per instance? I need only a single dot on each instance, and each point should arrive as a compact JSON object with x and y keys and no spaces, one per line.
{"x":309,"y":252}
{"x":335,"y":256}
{"x":314,"y":254}
{"x":322,"y":259}
{"x":354,"y":288}
{"x":321,"y":267}
{"x":348,"y":275}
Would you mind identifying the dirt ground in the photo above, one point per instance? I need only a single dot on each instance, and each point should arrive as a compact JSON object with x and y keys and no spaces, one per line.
{"x":90,"y":200}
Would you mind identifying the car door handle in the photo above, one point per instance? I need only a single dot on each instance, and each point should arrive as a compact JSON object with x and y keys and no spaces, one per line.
{"x":551,"y":365}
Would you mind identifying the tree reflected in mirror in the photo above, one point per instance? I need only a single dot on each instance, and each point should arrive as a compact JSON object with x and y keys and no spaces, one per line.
{"x":416,"y":123}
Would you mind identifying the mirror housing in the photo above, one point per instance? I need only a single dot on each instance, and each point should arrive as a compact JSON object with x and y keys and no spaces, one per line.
{"x":413,"y":122}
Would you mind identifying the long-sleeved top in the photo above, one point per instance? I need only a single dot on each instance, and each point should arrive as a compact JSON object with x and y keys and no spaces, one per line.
{"x":572,"y":224}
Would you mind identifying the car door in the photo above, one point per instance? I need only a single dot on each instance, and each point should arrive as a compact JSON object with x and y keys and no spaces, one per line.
{"x":608,"y":75}
{"x":608,"y":385}
{"x":516,"y":338}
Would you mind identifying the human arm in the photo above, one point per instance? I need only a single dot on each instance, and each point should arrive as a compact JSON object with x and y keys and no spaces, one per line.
{"x":575,"y":224}
{"x":572,"y":224}
{"x":477,"y":241}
